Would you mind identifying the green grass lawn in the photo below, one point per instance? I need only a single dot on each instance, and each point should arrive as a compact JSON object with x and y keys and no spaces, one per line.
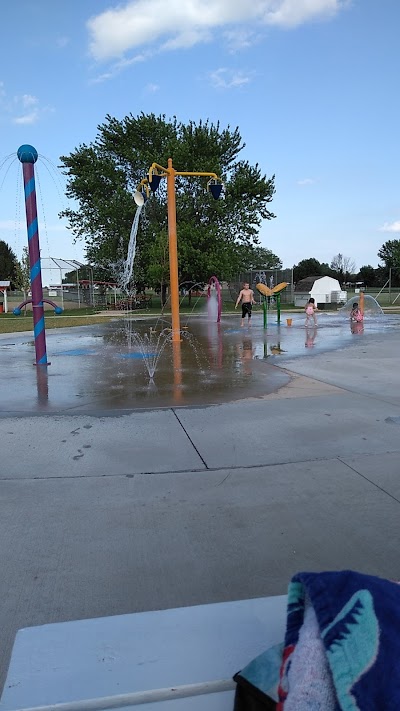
{"x":15,"y":324}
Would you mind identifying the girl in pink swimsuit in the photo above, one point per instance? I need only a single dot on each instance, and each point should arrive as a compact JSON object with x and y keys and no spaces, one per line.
{"x":310,"y":309}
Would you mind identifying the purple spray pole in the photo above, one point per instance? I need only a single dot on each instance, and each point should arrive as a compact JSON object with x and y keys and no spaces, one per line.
{"x":28,"y":156}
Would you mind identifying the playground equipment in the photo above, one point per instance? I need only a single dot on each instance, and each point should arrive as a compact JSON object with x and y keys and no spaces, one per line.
{"x":367,"y":304}
{"x":150,"y":184}
{"x":213,"y":282}
{"x":267,"y":293}
{"x":28,"y":156}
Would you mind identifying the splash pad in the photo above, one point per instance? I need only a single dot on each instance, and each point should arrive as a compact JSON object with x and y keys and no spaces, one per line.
{"x":103,"y":368}
{"x":131,"y":363}
{"x":367,"y":304}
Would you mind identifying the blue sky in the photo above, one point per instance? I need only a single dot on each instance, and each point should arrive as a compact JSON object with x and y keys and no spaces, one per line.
{"x":312,"y":85}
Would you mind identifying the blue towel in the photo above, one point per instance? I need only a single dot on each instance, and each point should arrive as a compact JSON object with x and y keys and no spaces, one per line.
{"x":358,"y":621}
{"x":341,"y":649}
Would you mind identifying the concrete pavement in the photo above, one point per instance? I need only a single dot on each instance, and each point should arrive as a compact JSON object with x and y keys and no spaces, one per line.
{"x":104,"y":515}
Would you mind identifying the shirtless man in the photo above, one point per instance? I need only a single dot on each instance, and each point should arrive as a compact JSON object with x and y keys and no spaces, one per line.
{"x":246,"y":296}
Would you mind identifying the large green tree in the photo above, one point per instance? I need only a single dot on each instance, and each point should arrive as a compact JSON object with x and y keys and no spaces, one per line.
{"x":306,"y":268}
{"x":368,"y":275}
{"x":8,"y":263}
{"x":261,"y":258}
{"x":389,"y":253}
{"x":212,"y":235}
{"x":23,"y":273}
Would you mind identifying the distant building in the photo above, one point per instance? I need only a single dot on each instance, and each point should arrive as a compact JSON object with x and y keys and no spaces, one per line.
{"x":326,"y":291}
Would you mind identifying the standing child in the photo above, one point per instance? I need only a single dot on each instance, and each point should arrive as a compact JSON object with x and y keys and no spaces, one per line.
{"x":246,"y":296}
{"x":310,"y":309}
{"x":355,"y":314}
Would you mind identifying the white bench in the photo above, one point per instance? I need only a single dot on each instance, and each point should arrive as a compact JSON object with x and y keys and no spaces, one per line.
{"x":162,"y":661}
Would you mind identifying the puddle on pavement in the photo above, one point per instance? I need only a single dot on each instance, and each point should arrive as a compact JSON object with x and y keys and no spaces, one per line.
{"x":106,"y":367}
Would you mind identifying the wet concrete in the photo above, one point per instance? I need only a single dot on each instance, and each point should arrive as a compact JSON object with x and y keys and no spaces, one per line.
{"x":98,"y":368}
{"x":102,"y":368}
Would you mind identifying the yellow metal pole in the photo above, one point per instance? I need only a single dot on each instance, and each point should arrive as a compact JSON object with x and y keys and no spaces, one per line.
{"x":173,"y":253}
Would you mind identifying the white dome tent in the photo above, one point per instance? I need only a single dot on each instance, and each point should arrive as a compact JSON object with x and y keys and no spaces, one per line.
{"x":325,"y":290}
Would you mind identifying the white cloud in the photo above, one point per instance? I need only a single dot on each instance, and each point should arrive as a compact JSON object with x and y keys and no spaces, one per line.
{"x":26,"y":119}
{"x":188,"y":38}
{"x":306,"y":181}
{"x":291,"y":13}
{"x":152,"y":88}
{"x":103,"y":77}
{"x":390,"y":227}
{"x":176,"y":24}
{"x":118,"y":67}
{"x":228,"y":78}
{"x":26,"y":108}
{"x":240,"y":39}
{"x":22,"y":109}
{"x":28,"y":100}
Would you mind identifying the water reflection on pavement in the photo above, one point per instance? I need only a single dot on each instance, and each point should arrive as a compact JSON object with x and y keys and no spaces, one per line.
{"x":101,"y":368}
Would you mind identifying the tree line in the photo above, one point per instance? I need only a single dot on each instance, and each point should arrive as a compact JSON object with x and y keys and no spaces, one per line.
{"x":215,"y":236}
{"x":340,"y":267}
{"x":344,"y":269}
{"x":16,"y":271}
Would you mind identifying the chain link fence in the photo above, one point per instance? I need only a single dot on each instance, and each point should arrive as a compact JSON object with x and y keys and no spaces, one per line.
{"x":269,"y":277}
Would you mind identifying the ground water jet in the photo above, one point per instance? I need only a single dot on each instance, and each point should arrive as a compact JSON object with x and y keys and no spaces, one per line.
{"x":370,"y":307}
{"x":214,"y":300}
{"x":151,"y":346}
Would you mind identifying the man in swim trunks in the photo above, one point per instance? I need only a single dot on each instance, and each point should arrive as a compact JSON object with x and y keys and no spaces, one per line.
{"x":246,"y":296}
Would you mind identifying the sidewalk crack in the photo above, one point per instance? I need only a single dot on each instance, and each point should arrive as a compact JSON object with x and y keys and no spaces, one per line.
{"x":190,"y":439}
{"x":369,"y":480}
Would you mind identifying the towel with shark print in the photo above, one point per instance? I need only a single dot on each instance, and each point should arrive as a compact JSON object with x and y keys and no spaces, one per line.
{"x":342,"y":643}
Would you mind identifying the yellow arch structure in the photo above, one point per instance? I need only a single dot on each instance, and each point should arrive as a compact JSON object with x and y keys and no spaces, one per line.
{"x":266,"y":291}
